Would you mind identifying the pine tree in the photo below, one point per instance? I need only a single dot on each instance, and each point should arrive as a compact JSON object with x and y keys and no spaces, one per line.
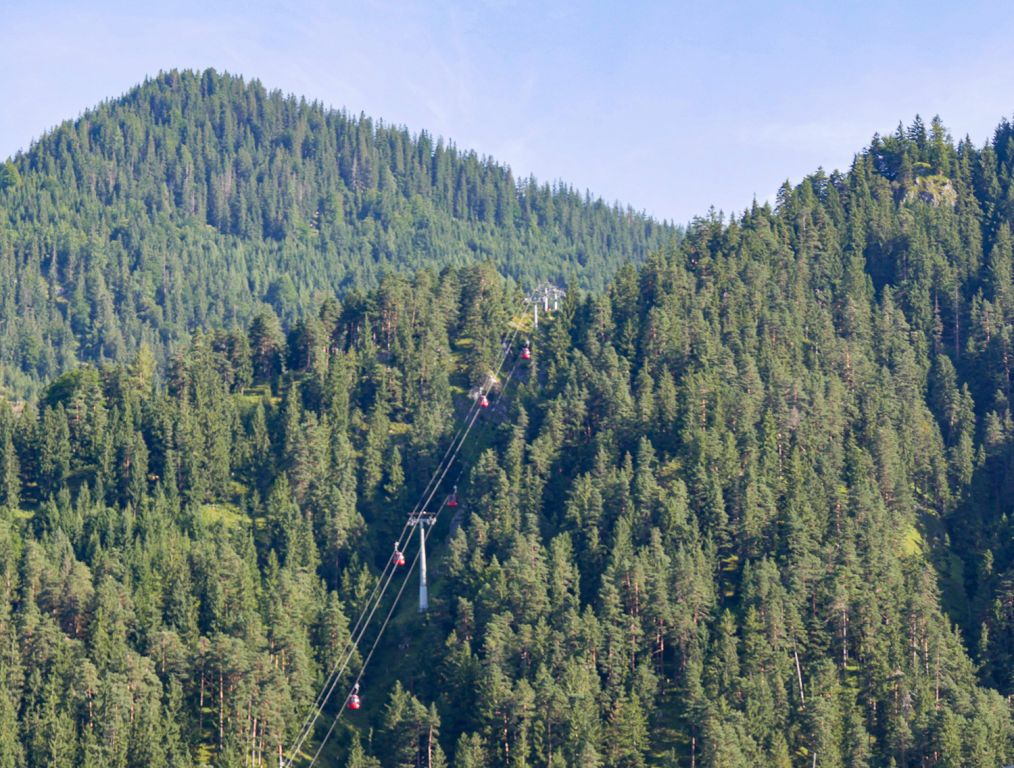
{"x":10,"y":468}
{"x":627,"y":736}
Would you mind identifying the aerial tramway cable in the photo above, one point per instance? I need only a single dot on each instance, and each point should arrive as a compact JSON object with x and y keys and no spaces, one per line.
{"x":355,"y":686}
{"x":447,"y":468}
{"x":356,"y":635}
{"x":391,"y":566}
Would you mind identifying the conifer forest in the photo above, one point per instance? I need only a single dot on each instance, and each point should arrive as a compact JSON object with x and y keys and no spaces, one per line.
{"x":742,"y":497}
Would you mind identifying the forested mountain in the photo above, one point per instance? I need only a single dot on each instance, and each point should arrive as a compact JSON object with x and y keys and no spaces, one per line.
{"x":197,"y":197}
{"x":747,"y":505}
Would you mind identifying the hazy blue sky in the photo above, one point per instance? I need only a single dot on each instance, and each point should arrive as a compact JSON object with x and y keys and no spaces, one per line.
{"x":670,"y":107}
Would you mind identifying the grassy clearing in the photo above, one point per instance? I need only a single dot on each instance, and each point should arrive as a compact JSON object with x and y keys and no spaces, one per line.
{"x":225,"y":513}
{"x":523,"y":323}
{"x":251,"y":396}
{"x":912,"y":542}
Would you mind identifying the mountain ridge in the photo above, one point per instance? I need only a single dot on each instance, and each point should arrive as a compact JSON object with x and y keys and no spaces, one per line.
{"x":201,"y":196}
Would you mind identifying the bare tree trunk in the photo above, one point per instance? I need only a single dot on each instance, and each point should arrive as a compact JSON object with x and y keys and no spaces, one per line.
{"x":221,"y":708}
{"x":957,"y":322}
{"x":200,"y":724}
{"x":799,"y":676}
{"x":844,"y":638}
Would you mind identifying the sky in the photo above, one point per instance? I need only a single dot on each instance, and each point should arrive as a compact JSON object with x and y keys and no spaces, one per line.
{"x":669,"y":107}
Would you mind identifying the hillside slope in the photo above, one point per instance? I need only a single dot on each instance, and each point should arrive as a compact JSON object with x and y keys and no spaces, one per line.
{"x":197,"y":196}
{"x":748,"y":505}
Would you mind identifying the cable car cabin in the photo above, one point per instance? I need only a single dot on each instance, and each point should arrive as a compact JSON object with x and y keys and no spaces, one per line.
{"x":452,"y":500}
{"x":354,"y":702}
{"x":526,"y":353}
{"x":399,"y":557}
{"x":484,"y":402}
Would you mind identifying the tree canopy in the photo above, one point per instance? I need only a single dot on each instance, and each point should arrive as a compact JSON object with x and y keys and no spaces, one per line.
{"x":747,"y":504}
{"x":197,"y":198}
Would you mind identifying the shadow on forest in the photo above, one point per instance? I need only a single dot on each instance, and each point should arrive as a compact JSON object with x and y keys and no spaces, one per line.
{"x":976,"y":567}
